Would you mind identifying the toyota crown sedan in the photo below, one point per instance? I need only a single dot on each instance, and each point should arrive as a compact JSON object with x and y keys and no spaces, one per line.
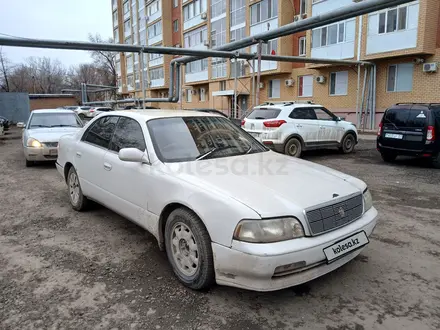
{"x":224,"y":207}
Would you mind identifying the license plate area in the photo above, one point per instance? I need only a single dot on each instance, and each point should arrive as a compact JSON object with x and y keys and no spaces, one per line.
{"x":345,"y":246}
{"x":394,"y":136}
{"x":53,"y":152}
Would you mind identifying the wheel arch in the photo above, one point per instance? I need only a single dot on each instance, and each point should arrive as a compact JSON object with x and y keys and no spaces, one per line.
{"x":352,"y":132}
{"x":67,"y":168}
{"x":296,"y":136}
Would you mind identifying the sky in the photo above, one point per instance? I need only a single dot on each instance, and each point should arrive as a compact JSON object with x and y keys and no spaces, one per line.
{"x":54,"y":19}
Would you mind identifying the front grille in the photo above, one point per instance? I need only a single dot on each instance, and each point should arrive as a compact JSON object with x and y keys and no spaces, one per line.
{"x":333,"y":216}
{"x":51,"y":144}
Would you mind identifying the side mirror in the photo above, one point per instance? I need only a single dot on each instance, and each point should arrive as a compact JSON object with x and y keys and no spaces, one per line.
{"x":338,"y":118}
{"x":133,"y":155}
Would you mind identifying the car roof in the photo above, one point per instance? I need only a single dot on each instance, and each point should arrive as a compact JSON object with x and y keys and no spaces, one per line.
{"x":51,"y":111}
{"x":286,"y":105}
{"x":154,"y":114}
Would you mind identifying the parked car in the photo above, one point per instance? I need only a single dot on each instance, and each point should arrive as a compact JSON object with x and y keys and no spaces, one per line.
{"x":410,"y":129}
{"x":93,"y":112}
{"x":293,"y":127}
{"x":43,"y":131}
{"x":223,"y":206}
{"x":5,"y":122}
{"x":2,"y":130}
{"x":82,"y":111}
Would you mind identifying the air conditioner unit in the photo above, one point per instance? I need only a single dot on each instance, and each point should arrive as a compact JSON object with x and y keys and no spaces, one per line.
{"x":430,"y":67}
{"x":297,"y":18}
{"x":320,"y":79}
{"x":202,"y":91}
{"x":204,"y":15}
{"x":206,"y":43}
{"x":261,"y":86}
{"x":289,"y":82}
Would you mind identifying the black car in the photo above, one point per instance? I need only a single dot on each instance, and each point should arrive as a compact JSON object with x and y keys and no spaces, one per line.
{"x":5,"y":122}
{"x":410,"y":129}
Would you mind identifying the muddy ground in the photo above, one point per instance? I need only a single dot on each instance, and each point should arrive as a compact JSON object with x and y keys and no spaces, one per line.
{"x":60,"y":269}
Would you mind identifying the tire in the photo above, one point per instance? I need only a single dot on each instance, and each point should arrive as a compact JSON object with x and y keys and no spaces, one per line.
{"x":348,"y":143}
{"x":293,"y":148}
{"x":78,"y":201}
{"x":388,"y":157}
{"x":436,"y":161}
{"x":189,"y":251}
{"x":29,"y":163}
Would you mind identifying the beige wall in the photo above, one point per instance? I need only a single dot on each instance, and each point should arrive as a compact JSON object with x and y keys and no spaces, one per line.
{"x":51,"y":103}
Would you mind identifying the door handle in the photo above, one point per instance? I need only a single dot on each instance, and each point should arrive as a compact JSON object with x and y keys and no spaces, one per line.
{"x":107,"y":167}
{"x":78,"y":154}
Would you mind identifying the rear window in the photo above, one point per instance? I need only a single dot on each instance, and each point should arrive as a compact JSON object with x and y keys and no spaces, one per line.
{"x":406,"y":117}
{"x":264,"y":113}
{"x":85,"y":108}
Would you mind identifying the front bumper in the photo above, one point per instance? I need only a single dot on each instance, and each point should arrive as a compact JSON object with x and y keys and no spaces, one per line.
{"x":42,"y":154}
{"x":252,"y":266}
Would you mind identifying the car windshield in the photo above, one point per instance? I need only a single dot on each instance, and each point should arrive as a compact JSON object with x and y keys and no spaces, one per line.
{"x":182,"y":139}
{"x":54,"y":120}
{"x":264,"y":113}
{"x":405,"y":118}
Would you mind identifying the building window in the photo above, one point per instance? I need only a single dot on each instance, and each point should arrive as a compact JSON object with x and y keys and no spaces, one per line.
{"x":195,"y":37}
{"x":305,"y":86}
{"x":218,"y":67}
{"x":155,"y":30}
{"x":274,"y":89}
{"x":222,"y":85}
{"x":400,"y":77}
{"x":156,"y":73}
{"x":339,"y":83}
{"x":302,"y":46}
{"x":115,"y":18}
{"x":127,"y":27}
{"x":238,"y":12}
{"x":153,"y":57}
{"x":194,"y":9}
{"x":197,"y":66}
{"x":153,"y":8}
{"x":218,"y":7}
{"x":218,"y":33}
{"x":116,"y":35}
{"x":329,"y":35}
{"x":130,"y":80}
{"x":142,"y":38}
{"x":395,"y":19}
{"x":302,"y":7}
{"x":114,"y":3}
{"x":126,"y":7}
{"x":202,"y":95}
{"x":128,"y":40}
{"x":189,"y":95}
{"x":118,"y":68}
{"x":175,"y":3}
{"x":176,"y":25}
{"x":129,"y":63}
{"x":263,"y":11}
{"x":240,"y":66}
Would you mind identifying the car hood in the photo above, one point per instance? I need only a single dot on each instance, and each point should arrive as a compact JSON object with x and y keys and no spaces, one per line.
{"x":271,"y":184}
{"x":51,"y":134}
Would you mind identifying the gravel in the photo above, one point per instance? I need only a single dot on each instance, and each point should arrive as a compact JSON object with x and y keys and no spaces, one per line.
{"x":60,"y":269}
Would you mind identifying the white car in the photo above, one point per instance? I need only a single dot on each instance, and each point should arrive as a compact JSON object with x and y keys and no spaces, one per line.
{"x":93,"y":112}
{"x":82,"y":111}
{"x":43,"y":131}
{"x":292,"y":127}
{"x":223,"y":206}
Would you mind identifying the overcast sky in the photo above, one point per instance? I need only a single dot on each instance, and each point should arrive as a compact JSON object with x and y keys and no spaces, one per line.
{"x":54,"y":19}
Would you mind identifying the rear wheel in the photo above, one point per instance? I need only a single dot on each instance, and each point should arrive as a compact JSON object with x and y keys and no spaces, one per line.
{"x":348,"y":143}
{"x":293,"y":148}
{"x":388,"y":156}
{"x":189,"y":251}
{"x":77,"y":199}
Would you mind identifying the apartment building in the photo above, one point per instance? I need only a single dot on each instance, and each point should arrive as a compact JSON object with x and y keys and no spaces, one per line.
{"x":403,"y":42}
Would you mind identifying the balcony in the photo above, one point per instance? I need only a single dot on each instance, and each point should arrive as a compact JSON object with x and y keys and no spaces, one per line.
{"x":194,"y":21}
{"x":196,"y":76}
{"x":157,"y":83}
{"x":155,"y":62}
{"x":154,"y":40}
{"x":323,"y":6}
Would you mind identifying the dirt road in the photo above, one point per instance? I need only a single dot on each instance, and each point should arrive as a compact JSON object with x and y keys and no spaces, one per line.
{"x":60,"y":269}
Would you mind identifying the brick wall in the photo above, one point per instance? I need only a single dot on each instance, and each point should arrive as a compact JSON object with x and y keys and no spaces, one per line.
{"x":51,"y":103}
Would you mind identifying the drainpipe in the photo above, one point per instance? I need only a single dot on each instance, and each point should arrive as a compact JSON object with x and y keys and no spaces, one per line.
{"x":259,"y":50}
{"x":363,"y":98}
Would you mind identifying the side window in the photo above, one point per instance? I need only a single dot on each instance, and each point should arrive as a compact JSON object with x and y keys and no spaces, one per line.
{"x":303,"y":113}
{"x":128,"y":134}
{"x":101,"y":132}
{"x":321,"y":114}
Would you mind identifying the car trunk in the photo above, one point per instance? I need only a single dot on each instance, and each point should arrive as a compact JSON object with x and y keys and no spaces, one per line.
{"x":254,"y":122}
{"x":405,"y":127}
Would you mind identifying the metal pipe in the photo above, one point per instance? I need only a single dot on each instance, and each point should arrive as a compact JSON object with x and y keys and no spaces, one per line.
{"x":259,"y":50}
{"x":253,"y":83}
{"x":373,"y":110}
{"x":358,"y":90}
{"x":144,"y":93}
{"x":235,"y":89}
{"x":101,"y":86}
{"x":359,"y":119}
{"x":298,"y":59}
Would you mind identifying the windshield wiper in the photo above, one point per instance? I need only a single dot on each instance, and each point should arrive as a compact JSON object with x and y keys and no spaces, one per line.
{"x":63,"y":126}
{"x":40,"y":126}
{"x":389,"y":121}
{"x":210,"y":152}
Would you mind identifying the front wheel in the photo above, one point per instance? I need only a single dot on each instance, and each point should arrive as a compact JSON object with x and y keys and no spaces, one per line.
{"x":293,"y":148}
{"x":388,"y":156}
{"x":189,"y":251}
{"x":78,"y":201}
{"x":348,"y":143}
{"x":29,"y":163}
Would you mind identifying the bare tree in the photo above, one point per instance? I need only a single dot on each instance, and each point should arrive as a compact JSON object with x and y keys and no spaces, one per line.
{"x":4,"y":72}
{"x":105,"y":61}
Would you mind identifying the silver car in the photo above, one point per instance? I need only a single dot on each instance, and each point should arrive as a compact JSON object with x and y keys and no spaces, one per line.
{"x":43,"y":131}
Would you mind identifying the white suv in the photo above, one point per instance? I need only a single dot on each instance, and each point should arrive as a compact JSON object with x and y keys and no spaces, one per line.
{"x":292,"y":127}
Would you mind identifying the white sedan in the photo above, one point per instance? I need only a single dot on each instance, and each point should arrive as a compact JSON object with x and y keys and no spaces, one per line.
{"x":42,"y":132}
{"x":224,"y":207}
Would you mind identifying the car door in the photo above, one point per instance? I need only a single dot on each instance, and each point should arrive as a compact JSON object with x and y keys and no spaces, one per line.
{"x":329,"y":128}
{"x":89,"y":157}
{"x":128,"y":182}
{"x":306,"y":124}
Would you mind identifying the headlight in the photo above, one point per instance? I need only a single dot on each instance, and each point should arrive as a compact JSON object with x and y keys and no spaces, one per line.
{"x":368,"y":200}
{"x":268,"y":231}
{"x":31,"y":142}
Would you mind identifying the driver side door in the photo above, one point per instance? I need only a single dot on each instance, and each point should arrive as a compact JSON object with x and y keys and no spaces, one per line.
{"x":328,"y":126}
